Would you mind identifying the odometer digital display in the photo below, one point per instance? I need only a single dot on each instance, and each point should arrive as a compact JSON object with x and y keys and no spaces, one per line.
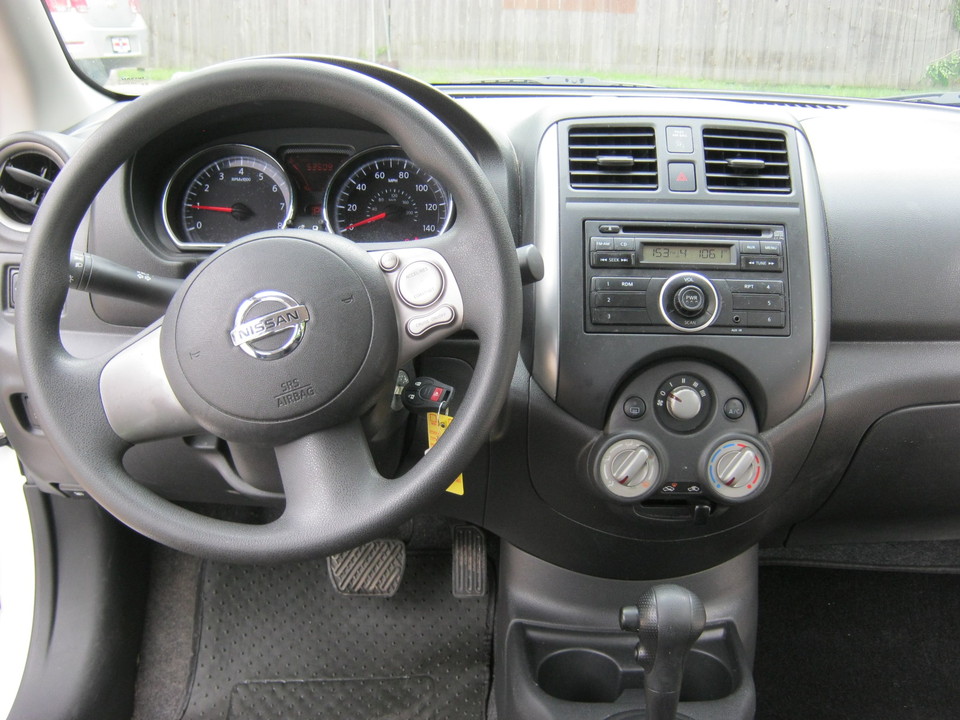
{"x":688,"y":254}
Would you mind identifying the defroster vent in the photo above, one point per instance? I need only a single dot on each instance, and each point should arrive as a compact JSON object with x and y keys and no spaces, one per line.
{"x":746,"y":160}
{"x":613,"y":157}
{"x":25,"y":178}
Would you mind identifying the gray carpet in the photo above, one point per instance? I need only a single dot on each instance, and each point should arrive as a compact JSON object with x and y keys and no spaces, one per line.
{"x":241,"y":642}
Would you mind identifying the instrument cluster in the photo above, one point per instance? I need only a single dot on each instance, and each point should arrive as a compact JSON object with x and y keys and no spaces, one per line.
{"x":229,"y":191}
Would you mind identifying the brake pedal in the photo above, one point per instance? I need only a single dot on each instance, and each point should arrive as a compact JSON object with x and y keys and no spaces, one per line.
{"x":469,"y":562}
{"x":371,"y":570}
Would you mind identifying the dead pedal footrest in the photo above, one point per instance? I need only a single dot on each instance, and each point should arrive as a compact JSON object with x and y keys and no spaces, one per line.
{"x":469,"y":562}
{"x":371,"y":570}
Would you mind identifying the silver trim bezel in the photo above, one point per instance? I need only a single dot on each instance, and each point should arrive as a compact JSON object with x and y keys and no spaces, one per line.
{"x":222,"y":152}
{"x":546,"y":238}
{"x":818,"y":254}
{"x":352,"y":164}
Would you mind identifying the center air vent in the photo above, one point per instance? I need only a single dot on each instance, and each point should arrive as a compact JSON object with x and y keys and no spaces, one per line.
{"x":25,"y":177}
{"x":613,"y":158}
{"x":746,"y":160}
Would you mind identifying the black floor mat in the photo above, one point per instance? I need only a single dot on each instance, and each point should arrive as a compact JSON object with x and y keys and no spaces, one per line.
{"x":279,"y":642}
{"x":857,"y":644}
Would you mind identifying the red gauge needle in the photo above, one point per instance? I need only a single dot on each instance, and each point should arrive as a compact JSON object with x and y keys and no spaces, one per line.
{"x":357,"y":224}
{"x":212,"y":207}
{"x":239,"y":211}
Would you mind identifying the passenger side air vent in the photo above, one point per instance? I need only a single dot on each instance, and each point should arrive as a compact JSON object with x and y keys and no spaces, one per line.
{"x":25,"y":177}
{"x":746,"y":160}
{"x":613,"y":158}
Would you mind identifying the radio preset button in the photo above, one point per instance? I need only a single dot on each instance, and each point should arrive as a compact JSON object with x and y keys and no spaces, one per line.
{"x":620,"y":316}
{"x":628,"y":284}
{"x":756,"y":286}
{"x":620,"y":300}
{"x":766,"y":301}
{"x":759,"y":318}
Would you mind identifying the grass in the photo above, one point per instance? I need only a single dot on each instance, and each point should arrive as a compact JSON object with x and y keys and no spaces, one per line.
{"x":146,"y":74}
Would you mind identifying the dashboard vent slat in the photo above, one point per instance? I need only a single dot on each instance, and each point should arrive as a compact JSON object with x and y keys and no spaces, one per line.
{"x":616,"y":157}
{"x":25,"y":178}
{"x":746,"y":160}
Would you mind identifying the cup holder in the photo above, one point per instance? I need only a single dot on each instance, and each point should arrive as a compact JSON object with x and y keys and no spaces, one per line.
{"x":580,"y":675}
{"x":705,"y":677}
{"x":600,"y":668}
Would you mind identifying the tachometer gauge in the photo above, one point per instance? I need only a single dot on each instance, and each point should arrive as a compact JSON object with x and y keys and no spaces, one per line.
{"x":225,"y":193}
{"x":383,"y":196}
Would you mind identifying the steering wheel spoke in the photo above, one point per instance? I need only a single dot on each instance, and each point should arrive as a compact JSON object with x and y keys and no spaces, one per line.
{"x":425,"y":292}
{"x":326,"y":474}
{"x":137,"y":398}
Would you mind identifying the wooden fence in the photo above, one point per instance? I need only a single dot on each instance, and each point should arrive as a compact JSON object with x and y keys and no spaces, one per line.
{"x":876,"y":43}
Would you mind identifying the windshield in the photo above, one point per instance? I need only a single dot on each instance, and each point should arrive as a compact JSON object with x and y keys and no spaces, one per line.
{"x":879,"y":48}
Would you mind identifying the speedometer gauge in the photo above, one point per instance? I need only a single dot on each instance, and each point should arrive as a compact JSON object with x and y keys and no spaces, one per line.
{"x":225,"y":193}
{"x":384,"y":196}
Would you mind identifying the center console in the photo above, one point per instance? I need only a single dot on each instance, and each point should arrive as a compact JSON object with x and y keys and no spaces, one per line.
{"x":679,"y":340}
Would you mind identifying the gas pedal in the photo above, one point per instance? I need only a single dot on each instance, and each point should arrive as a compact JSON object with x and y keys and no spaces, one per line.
{"x":371,"y":570}
{"x":469,"y":562}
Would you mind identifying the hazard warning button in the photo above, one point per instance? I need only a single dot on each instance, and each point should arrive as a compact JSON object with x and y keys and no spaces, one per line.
{"x":683,"y":177}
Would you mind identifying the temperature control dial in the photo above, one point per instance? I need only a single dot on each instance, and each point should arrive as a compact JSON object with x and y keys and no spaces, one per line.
{"x":629,"y":468}
{"x":737,"y":469}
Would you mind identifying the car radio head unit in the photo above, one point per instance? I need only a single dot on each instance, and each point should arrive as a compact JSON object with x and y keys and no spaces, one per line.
{"x":714,"y":278}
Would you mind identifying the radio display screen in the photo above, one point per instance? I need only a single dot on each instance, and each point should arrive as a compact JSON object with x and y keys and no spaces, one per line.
{"x":688,"y":254}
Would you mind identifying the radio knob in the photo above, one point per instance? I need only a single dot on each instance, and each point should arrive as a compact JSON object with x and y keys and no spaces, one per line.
{"x":684,"y":403}
{"x":690,"y":301}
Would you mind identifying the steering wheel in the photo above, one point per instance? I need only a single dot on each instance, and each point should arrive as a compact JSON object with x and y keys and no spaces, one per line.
{"x":281,"y":339}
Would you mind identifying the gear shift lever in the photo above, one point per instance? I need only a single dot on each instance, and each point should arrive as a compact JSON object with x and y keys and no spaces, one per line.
{"x":668,"y":619}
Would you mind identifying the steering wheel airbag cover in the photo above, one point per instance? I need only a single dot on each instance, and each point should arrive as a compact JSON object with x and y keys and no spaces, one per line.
{"x":276,"y":336}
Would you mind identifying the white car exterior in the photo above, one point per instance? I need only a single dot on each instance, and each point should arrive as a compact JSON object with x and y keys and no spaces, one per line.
{"x":101,"y":35}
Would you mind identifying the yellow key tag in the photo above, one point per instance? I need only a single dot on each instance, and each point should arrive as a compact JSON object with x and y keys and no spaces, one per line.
{"x":436,"y":425}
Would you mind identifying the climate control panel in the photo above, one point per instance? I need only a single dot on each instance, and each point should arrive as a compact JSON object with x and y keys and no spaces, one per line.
{"x":682,"y":434}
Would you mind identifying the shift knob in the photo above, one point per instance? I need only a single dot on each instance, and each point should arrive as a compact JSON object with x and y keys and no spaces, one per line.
{"x":668,"y":620}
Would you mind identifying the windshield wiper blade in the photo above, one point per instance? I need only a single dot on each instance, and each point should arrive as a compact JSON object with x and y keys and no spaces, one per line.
{"x":561,"y":80}
{"x":949,"y":99}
